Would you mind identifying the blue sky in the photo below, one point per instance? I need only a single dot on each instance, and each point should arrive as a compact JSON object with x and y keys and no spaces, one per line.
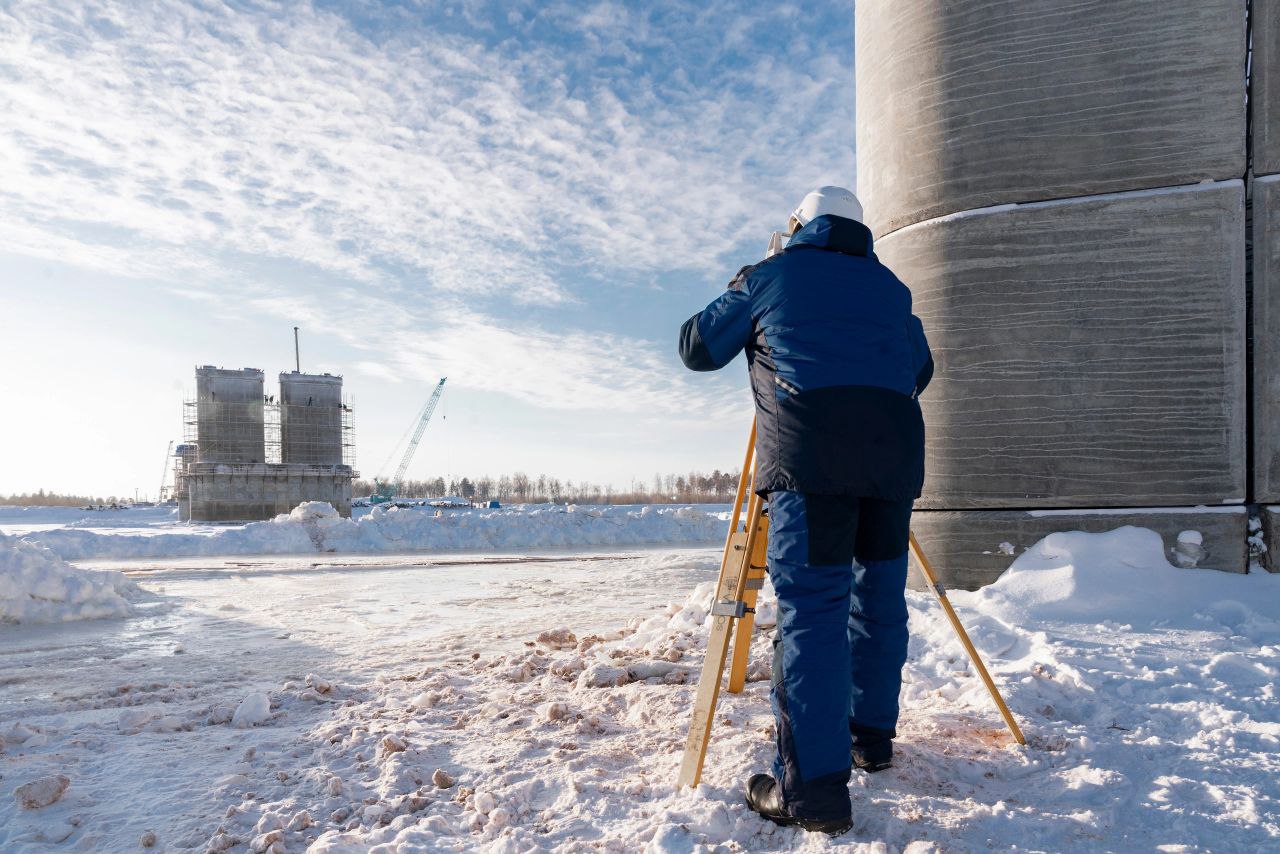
{"x":526,"y":197}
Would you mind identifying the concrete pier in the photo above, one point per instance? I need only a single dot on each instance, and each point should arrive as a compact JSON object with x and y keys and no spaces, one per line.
{"x":236,"y":474}
{"x":972,"y":548}
{"x":244,"y":493}
{"x":1265,"y":239}
{"x":1090,"y":353}
{"x":1266,"y":339}
{"x":964,"y":104}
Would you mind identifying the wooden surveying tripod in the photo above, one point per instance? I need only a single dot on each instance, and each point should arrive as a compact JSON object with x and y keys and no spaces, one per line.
{"x":742,"y":573}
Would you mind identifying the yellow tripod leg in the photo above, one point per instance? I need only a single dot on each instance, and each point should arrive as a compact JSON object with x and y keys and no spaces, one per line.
{"x":757,"y":569}
{"x":932,"y":580}
{"x":727,"y":608}
{"x":744,"y":486}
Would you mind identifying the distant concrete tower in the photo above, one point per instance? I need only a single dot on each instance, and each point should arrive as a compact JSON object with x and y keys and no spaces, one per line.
{"x":1063,"y":187}
{"x":311,"y":419}
{"x":229,"y":416}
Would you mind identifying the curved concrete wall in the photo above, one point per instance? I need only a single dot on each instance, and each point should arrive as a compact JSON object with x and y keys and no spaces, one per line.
{"x":969,"y":103}
{"x":973,"y":548}
{"x":1090,"y":352}
{"x":1062,"y":184}
{"x":230,"y":423}
{"x":1265,"y":113}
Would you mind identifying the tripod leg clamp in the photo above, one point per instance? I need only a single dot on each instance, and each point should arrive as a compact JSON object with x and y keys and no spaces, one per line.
{"x":730,"y":608}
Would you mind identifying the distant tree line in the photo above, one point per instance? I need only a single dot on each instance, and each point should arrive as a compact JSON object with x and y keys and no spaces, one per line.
{"x":695,"y":487}
{"x":55,"y":499}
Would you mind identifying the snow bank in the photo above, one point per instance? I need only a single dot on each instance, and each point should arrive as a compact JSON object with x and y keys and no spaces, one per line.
{"x":1123,"y":576}
{"x":315,"y":526}
{"x":37,"y":587}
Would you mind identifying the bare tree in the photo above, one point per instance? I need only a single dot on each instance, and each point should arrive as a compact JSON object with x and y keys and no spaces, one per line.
{"x":520,"y":483}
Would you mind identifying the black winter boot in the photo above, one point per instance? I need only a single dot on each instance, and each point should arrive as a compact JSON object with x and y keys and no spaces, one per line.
{"x":872,"y":748}
{"x":763,"y":797}
{"x":874,"y":759}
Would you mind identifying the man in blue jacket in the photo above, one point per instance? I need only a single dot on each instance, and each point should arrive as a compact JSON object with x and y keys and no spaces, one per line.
{"x":836,"y":360}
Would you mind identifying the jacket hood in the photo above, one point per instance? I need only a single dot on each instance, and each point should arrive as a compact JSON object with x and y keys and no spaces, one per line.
{"x":835,"y":233}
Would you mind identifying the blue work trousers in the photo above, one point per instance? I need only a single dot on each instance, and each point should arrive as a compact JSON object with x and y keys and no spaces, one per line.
{"x":839,"y":566}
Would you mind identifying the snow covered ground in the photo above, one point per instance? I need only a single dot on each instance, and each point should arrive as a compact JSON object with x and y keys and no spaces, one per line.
{"x":540,"y":702}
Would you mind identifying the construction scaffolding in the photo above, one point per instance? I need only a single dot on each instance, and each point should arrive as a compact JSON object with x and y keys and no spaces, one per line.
{"x":184,"y":458}
{"x":231,"y":421}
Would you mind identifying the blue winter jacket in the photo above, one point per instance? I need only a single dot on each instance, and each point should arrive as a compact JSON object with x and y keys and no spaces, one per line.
{"x":836,"y":360}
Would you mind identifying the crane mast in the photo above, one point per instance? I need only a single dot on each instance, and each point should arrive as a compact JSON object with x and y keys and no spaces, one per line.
{"x":385,"y":491}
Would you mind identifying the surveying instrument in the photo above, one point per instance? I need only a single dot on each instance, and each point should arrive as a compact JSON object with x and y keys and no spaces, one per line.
{"x":743,"y":568}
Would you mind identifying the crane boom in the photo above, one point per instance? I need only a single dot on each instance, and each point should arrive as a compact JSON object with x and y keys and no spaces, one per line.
{"x":385,"y":491}
{"x":417,"y":434}
{"x":164,"y":474}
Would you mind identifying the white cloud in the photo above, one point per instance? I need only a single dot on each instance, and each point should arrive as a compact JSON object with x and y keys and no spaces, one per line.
{"x":162,"y":140}
{"x":545,"y":368}
{"x":378,"y":370}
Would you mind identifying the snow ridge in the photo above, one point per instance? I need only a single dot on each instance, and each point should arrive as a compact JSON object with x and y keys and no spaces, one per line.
{"x":316,"y":527}
{"x":36,"y":586}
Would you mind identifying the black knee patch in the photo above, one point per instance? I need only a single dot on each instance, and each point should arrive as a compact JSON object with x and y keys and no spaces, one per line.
{"x":832,"y":522}
{"x":884,"y":528}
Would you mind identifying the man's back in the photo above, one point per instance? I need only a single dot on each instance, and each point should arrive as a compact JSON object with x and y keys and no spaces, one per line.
{"x":836,"y":359}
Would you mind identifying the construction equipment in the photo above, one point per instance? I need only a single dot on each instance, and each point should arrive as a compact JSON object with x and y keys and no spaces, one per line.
{"x":742,"y":563}
{"x":386,"y":490}
{"x":164,"y":473}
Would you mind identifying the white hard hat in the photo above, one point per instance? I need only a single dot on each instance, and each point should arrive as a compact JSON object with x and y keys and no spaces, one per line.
{"x":826,"y":200}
